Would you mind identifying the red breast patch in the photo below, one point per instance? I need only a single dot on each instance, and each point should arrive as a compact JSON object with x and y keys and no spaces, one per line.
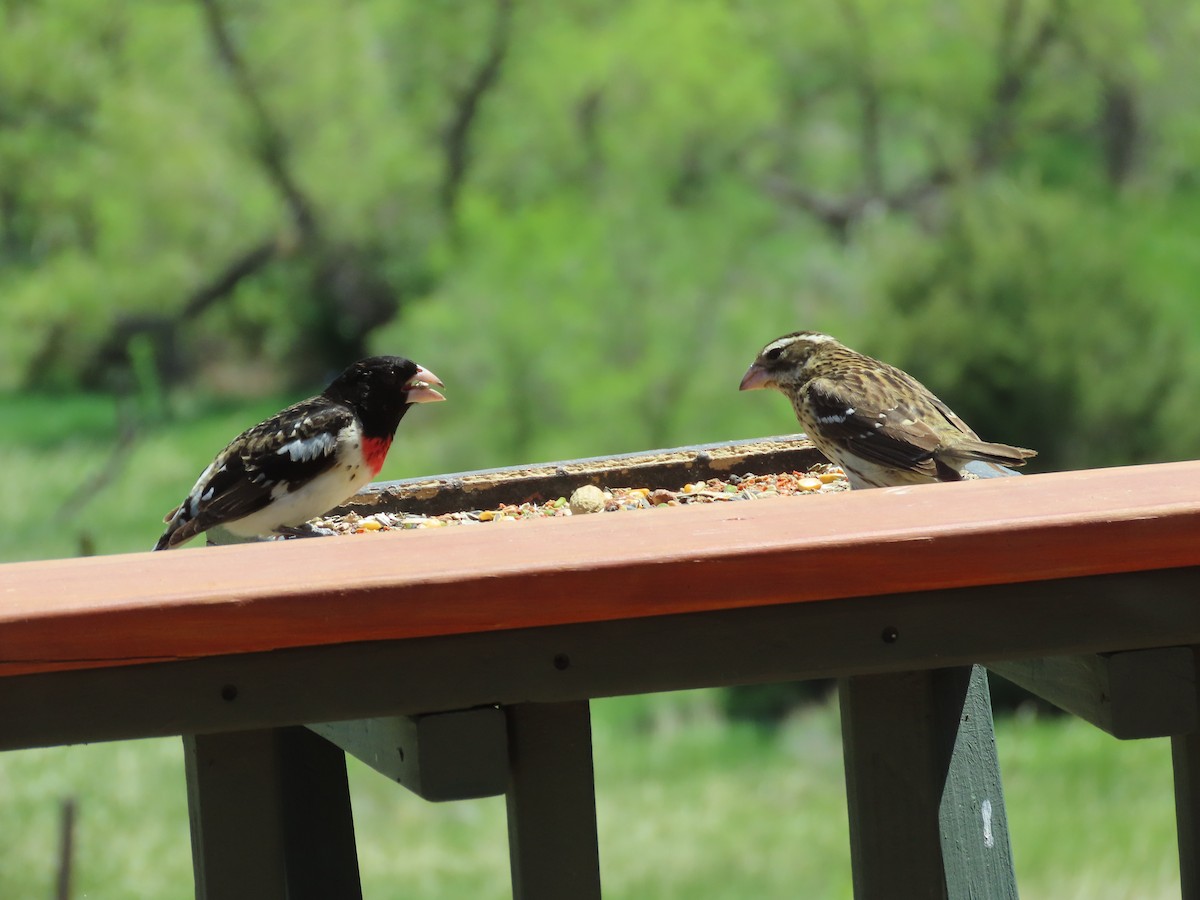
{"x":375,"y":451}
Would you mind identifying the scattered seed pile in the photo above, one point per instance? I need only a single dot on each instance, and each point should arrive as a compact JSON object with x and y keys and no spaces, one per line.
{"x":823,"y":478}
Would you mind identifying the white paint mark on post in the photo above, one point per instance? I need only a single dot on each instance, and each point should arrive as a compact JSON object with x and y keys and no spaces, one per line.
{"x":989,"y":841}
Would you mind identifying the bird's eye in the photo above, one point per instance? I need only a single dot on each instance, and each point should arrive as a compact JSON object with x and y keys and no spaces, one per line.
{"x":773,"y":354}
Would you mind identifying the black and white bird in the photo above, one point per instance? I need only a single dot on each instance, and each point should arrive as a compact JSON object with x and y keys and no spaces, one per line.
{"x":881,"y":425}
{"x":306,"y":459}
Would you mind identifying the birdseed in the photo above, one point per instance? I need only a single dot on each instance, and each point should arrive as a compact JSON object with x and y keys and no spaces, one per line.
{"x":821,"y":479}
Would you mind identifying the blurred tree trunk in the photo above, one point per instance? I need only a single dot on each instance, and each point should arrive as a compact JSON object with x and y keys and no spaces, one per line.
{"x":1119,"y":131}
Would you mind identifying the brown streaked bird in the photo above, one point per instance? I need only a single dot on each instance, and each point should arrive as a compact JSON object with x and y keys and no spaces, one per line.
{"x":307,"y":459}
{"x":881,"y":425}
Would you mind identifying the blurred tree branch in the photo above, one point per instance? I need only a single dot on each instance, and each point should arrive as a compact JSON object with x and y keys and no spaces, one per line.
{"x":112,"y":356}
{"x":457,"y":134}
{"x":1119,"y":130}
{"x":227,"y":279}
{"x":866,"y":85}
{"x":350,"y":298}
{"x":1015,"y":68}
{"x":272,"y":148}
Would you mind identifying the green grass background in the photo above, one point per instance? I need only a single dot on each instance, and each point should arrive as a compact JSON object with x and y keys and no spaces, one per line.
{"x":689,"y":804}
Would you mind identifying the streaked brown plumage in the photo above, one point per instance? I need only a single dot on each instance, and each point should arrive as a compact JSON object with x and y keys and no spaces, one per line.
{"x":881,"y":425}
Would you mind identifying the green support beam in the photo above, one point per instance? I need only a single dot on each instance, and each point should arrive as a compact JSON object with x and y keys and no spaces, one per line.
{"x":923,"y":787}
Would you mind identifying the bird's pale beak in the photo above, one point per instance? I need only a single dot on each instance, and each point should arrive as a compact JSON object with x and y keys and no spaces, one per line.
{"x":756,"y":378}
{"x":418,"y":388}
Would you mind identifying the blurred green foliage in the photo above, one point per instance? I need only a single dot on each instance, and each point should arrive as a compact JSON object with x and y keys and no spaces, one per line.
{"x":587,"y":217}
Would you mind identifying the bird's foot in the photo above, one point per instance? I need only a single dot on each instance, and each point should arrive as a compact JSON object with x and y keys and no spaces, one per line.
{"x":303,"y":531}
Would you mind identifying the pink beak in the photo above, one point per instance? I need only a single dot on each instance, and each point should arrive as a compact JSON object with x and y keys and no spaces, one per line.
{"x":418,"y":389}
{"x":756,"y":378}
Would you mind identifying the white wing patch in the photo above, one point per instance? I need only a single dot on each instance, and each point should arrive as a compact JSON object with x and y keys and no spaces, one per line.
{"x":294,"y":504}
{"x":304,"y":449}
{"x":836,"y":418}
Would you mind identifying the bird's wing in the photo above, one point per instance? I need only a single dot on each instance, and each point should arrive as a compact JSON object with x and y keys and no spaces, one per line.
{"x":272,"y":458}
{"x":970,"y":447}
{"x":950,"y":416}
{"x":891,"y":434}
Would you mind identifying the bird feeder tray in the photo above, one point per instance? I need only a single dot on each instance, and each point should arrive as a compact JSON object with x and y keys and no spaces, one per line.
{"x":668,"y":469}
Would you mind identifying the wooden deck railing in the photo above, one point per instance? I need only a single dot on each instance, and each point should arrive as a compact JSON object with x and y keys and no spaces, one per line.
{"x":478,"y":649}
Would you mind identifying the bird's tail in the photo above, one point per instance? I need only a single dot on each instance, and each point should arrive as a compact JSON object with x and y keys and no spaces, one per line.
{"x":1001,"y":454}
{"x":181,"y":527}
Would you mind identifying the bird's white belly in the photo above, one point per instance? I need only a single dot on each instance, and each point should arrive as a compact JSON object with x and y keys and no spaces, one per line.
{"x":320,"y":495}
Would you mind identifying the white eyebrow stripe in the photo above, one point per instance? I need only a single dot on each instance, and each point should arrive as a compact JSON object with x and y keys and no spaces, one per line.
{"x":787,"y":341}
{"x":779,"y":344}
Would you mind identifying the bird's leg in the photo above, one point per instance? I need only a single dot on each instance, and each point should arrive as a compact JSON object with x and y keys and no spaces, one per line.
{"x":308,"y":529}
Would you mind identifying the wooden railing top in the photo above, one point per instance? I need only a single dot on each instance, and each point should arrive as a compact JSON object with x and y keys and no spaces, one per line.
{"x":134,"y":608}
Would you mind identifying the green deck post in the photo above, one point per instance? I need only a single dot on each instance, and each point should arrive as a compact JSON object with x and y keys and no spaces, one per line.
{"x":552,"y":802}
{"x":270,"y":815}
{"x":923,"y":787}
